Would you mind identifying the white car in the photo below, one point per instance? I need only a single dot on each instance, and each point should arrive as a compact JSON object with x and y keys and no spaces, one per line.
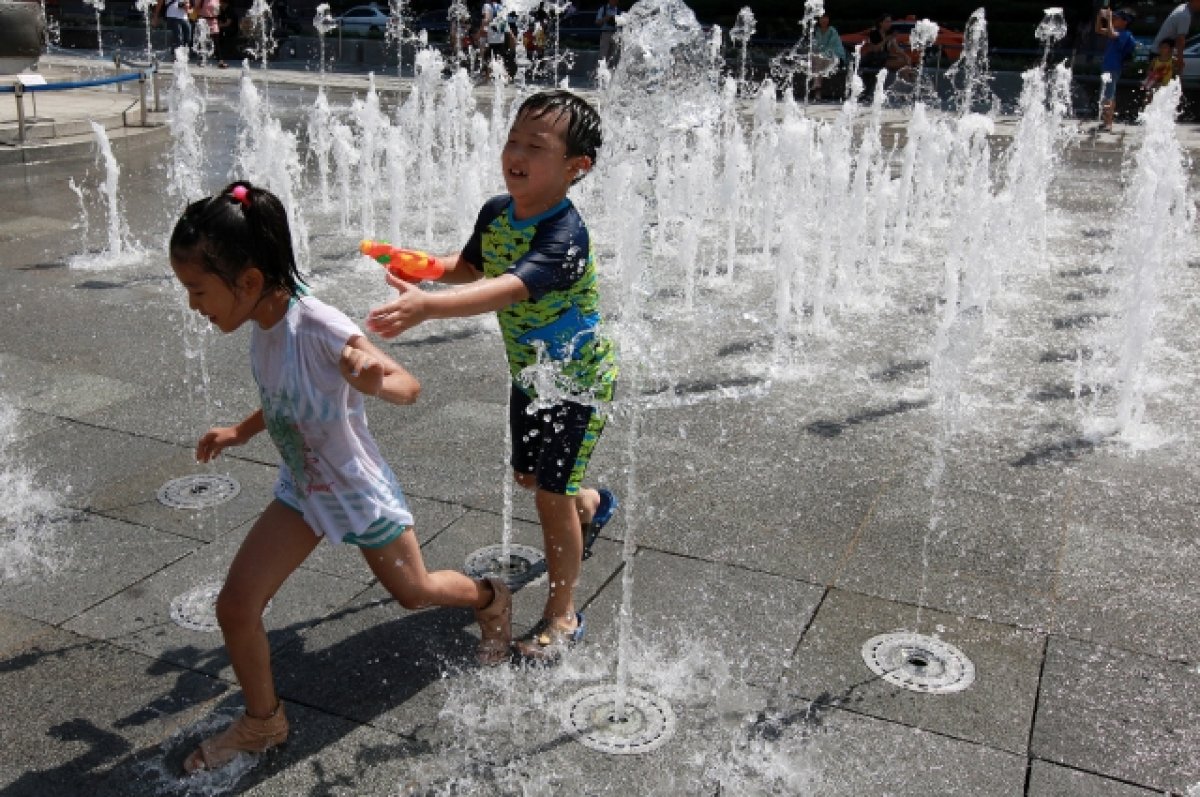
{"x":1191,"y":63}
{"x":363,"y":20}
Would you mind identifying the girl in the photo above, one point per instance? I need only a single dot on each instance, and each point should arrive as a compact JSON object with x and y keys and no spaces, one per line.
{"x":233,"y":254}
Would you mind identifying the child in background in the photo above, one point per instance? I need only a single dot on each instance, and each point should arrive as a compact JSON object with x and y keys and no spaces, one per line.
{"x":530,"y":261}
{"x":1161,"y":69}
{"x":233,"y":254}
{"x":1114,"y":25}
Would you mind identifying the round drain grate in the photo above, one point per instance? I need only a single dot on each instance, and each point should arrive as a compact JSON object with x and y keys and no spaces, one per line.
{"x":199,"y":491}
{"x":918,"y":662}
{"x":642,"y":723}
{"x":197,"y":610}
{"x":523,"y":565}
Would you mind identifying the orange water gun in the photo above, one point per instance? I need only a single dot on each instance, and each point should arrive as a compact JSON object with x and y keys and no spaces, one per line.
{"x":408,"y":264}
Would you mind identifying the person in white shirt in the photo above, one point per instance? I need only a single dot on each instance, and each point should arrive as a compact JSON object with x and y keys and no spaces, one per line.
{"x":176,"y":12}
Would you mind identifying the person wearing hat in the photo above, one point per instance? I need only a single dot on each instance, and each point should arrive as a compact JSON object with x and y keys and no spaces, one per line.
{"x":1114,"y":25}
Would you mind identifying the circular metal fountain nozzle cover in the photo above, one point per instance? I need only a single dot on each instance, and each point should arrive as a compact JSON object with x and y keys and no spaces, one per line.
{"x":196,"y":610}
{"x":919,"y":663}
{"x":521,"y":566}
{"x":198,"y":491}
{"x":618,"y":722}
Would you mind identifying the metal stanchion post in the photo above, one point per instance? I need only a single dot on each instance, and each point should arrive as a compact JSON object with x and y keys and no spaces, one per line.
{"x":142,"y":95}
{"x":154,"y":67}
{"x":19,"y":93}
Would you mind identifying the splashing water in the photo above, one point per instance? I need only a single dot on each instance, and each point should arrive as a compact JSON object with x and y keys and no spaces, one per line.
{"x":98,"y":6}
{"x":28,"y":545}
{"x":1050,"y":31}
{"x":1155,"y":240}
{"x":186,"y":120}
{"x":323,"y":23}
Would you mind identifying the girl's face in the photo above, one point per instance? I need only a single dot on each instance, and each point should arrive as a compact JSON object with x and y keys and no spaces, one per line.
{"x":225,"y":308}
{"x":537,"y":171}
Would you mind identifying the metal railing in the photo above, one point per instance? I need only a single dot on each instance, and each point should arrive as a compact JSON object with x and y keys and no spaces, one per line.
{"x":19,"y":89}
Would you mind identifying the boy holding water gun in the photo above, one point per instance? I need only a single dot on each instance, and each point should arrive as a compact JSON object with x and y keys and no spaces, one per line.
{"x":530,"y":261}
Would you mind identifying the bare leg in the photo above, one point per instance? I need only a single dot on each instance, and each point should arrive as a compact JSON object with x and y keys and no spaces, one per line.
{"x":276,"y":545}
{"x":400,"y":568}
{"x":563,"y":536}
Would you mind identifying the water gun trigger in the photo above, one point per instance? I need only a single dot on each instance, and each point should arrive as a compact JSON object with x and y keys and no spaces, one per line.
{"x":409,"y":264}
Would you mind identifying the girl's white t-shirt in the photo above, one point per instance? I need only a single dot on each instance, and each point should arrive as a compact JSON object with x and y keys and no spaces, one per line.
{"x":318,"y":423}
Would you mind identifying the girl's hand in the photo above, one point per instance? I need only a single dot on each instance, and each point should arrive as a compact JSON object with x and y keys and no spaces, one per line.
{"x":215,"y":441}
{"x":407,"y":310}
{"x":363,"y":371}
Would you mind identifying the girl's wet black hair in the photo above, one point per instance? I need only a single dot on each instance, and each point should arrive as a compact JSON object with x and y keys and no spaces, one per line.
{"x":584,"y":135}
{"x":226,"y":236}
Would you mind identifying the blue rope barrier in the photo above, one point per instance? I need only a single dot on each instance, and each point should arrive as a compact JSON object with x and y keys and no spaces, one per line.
{"x":74,"y":84}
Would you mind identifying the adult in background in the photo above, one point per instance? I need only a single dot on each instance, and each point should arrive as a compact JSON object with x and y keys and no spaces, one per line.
{"x":176,"y":13}
{"x":875,"y":48}
{"x":606,"y":19}
{"x":227,"y":34}
{"x":497,"y":34}
{"x":1175,"y":30}
{"x":827,"y":53}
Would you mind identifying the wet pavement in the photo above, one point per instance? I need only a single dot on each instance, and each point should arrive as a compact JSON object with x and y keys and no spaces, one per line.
{"x":778,"y":525}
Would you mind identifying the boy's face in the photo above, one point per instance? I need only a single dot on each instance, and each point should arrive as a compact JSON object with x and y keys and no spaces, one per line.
{"x":537,"y":170}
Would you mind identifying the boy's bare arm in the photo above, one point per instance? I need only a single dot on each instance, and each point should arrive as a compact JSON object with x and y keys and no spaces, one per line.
{"x":457,"y":270}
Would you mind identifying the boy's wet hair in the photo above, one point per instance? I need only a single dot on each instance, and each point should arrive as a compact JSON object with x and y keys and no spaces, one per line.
{"x":583,"y":136}
{"x":226,"y":235}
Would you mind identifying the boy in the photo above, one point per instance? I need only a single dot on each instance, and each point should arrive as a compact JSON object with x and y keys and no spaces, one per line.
{"x":1120,"y":46}
{"x":530,"y":261}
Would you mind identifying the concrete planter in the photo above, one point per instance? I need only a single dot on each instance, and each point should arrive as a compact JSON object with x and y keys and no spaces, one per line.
{"x":22,"y":32}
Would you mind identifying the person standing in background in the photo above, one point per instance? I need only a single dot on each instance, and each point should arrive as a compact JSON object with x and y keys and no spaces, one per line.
{"x":1175,"y":29}
{"x":606,"y":19}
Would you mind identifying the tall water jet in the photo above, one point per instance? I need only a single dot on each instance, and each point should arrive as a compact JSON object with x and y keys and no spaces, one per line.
{"x":740,"y":34}
{"x":1050,"y":31}
{"x":923,"y":35}
{"x":111,"y":193}
{"x":28,"y":544}
{"x":262,"y":27}
{"x":323,"y":23}
{"x":1154,"y":240}
{"x":972,"y":68}
{"x":186,"y":120}
{"x":97,"y":7}
{"x":144,"y":8}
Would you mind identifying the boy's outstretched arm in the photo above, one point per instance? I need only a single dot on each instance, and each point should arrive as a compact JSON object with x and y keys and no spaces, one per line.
{"x":457,"y":270}
{"x":414,"y":305}
{"x":369,"y":370}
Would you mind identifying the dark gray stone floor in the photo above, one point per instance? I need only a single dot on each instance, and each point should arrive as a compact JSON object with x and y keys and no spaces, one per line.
{"x":775,"y":528}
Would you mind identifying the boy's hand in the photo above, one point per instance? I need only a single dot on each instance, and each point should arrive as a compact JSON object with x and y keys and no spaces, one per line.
{"x":215,"y":441}
{"x":407,"y":310}
{"x":362,"y":371}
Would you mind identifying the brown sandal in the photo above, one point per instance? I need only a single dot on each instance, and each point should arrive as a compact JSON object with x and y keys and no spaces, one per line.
{"x":246,"y":735}
{"x":495,"y":626}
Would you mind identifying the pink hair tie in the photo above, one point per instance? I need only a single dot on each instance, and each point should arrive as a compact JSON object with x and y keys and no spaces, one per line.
{"x":241,"y":194}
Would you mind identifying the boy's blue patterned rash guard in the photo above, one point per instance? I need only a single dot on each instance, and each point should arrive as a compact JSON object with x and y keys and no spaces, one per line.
{"x":551,"y":253}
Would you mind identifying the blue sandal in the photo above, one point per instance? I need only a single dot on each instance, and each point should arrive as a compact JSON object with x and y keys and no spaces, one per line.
{"x":604,"y":512}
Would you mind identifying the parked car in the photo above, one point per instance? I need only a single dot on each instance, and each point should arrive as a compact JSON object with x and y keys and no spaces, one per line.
{"x":949,"y":42}
{"x":365,"y":20}
{"x":1190,"y":78}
